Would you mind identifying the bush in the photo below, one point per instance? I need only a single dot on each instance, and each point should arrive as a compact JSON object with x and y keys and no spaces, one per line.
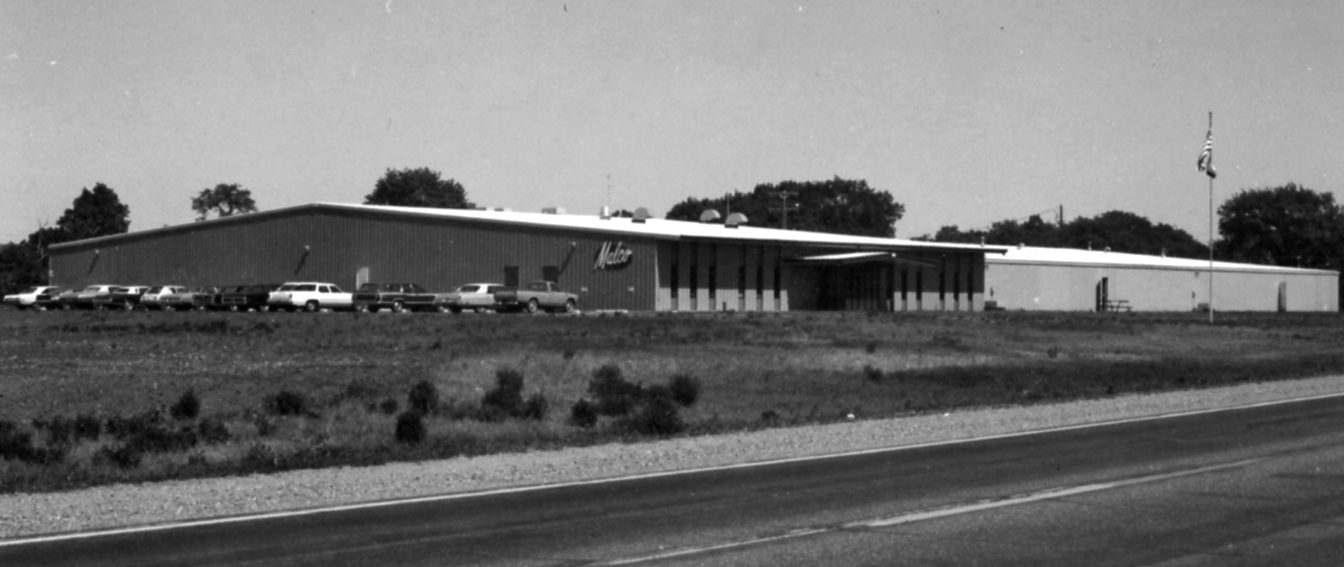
{"x":213,"y":431}
{"x":187,"y":407}
{"x":423,"y":398}
{"x":60,"y":431}
{"x":536,"y":406}
{"x":123,"y":455}
{"x":410,"y":427}
{"x":872,"y":373}
{"x":389,"y":406}
{"x":125,"y":427}
{"x":15,"y":444}
{"x":583,"y":414}
{"x":658,"y":414}
{"x":507,"y":396}
{"x":685,"y":389}
{"x":88,"y":427}
{"x":287,"y":402}
{"x":614,"y":395}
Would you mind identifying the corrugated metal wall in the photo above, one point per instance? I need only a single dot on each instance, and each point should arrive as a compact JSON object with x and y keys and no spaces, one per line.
{"x":335,"y":245}
{"x":1074,"y":288}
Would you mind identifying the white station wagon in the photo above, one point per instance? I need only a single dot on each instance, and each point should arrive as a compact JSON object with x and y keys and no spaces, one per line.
{"x":309,"y":296}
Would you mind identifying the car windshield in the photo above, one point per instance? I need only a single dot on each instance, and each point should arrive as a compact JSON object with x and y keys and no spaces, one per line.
{"x":30,"y":290}
{"x":369,"y":287}
{"x":469,"y":288}
{"x":288,"y":287}
{"x":91,"y":288}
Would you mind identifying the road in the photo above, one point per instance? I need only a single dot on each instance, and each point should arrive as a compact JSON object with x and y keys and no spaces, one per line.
{"x":1253,"y":486}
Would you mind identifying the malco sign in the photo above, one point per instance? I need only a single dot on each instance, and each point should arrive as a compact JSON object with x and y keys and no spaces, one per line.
{"x":613,"y":256}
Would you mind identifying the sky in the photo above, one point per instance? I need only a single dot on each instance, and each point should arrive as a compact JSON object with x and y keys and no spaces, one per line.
{"x":966,"y":112}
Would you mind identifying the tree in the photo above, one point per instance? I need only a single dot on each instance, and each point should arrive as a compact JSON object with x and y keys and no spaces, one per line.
{"x":94,"y":213}
{"x":225,"y":200}
{"x":1117,"y":230}
{"x":420,"y":187}
{"x":1285,"y":226}
{"x":840,"y":206}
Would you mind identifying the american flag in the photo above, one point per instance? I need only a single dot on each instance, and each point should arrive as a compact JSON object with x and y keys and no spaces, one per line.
{"x":1205,"y":162}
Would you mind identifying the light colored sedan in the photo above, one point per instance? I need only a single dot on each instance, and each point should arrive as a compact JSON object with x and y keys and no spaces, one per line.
{"x":473,"y":297}
{"x":27,"y":298}
{"x":309,"y":296}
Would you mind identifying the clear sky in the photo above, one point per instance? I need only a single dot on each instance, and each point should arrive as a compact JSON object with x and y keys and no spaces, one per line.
{"x":966,"y":112}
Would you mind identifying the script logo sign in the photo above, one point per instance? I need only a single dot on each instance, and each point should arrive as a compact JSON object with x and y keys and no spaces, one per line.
{"x":613,"y":256}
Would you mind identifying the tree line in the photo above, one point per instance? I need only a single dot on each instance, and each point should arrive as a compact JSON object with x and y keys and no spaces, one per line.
{"x":1289,"y":225}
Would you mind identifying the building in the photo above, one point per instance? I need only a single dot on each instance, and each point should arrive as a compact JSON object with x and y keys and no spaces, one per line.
{"x":625,"y":263}
{"x":1063,"y":279}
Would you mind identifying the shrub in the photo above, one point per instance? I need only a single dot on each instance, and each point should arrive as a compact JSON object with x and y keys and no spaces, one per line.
{"x":389,"y":406}
{"x":410,"y":427}
{"x":123,"y":455}
{"x":507,"y":396}
{"x":160,"y":439}
{"x":685,"y":389}
{"x":583,"y":414}
{"x":88,"y":427}
{"x":536,"y":406}
{"x":614,"y":395}
{"x":187,"y":407}
{"x":872,"y":373}
{"x":125,"y":427}
{"x":423,"y":398}
{"x":15,"y":444}
{"x":287,"y":402}
{"x":213,"y":431}
{"x":658,"y":413}
{"x":60,"y":431}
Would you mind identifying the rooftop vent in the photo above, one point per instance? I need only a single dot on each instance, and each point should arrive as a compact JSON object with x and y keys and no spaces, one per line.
{"x":641,"y":214}
{"x":606,"y":212}
{"x":710,"y":215}
{"x":735,"y":219}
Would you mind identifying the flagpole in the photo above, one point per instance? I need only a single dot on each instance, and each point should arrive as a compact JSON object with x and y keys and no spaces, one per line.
{"x":1211,"y":177}
{"x":1210,"y":240}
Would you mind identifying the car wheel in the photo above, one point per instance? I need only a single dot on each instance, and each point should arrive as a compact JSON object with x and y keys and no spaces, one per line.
{"x":127,"y":305}
{"x":398,"y":307}
{"x":569,"y":306}
{"x":310,"y":307}
{"x":263,"y":308}
{"x":233,"y":308}
{"x":533,"y":306}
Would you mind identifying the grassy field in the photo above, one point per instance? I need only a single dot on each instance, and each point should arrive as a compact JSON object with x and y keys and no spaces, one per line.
{"x":97,"y":397}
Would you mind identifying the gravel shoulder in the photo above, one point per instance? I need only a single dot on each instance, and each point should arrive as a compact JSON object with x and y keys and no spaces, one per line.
{"x":165,"y":502}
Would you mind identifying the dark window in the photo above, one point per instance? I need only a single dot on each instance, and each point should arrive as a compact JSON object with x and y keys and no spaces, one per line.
{"x":550,"y":273}
{"x":676,"y":287}
{"x":511,"y":276}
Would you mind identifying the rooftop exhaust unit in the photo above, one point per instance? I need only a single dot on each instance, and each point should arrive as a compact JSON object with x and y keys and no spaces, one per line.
{"x":734,"y":220}
{"x":710,"y":215}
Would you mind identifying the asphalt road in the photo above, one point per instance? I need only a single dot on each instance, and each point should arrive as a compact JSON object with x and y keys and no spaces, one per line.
{"x":1256,"y":486}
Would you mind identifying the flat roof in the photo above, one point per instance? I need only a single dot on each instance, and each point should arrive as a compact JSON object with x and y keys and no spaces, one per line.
{"x":1036,"y":255}
{"x":652,"y":228}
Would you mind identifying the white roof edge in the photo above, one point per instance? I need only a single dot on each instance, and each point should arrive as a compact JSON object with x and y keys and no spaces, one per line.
{"x":1037,"y":255}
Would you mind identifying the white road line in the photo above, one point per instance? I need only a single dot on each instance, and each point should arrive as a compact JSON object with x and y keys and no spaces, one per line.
{"x":1039,"y":496}
{"x":524,"y":489}
{"x":932,"y":514}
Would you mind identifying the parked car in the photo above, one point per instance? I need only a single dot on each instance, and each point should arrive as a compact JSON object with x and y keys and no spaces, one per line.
{"x":153,"y":298}
{"x":90,"y":297}
{"x":247,"y":298}
{"x":49,"y":299}
{"x":473,"y":296}
{"x":66,"y":299}
{"x":395,"y":296}
{"x":197,"y":298}
{"x":27,"y":299}
{"x":216,"y":301}
{"x":309,"y":296}
{"x":122,"y":297}
{"x":536,"y":296}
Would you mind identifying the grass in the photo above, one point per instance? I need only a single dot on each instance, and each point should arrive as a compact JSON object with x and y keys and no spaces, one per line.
{"x":353,"y":373}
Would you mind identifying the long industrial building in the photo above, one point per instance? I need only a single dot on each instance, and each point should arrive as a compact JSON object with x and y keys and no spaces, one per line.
{"x":648,"y":264}
{"x":644,"y":264}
